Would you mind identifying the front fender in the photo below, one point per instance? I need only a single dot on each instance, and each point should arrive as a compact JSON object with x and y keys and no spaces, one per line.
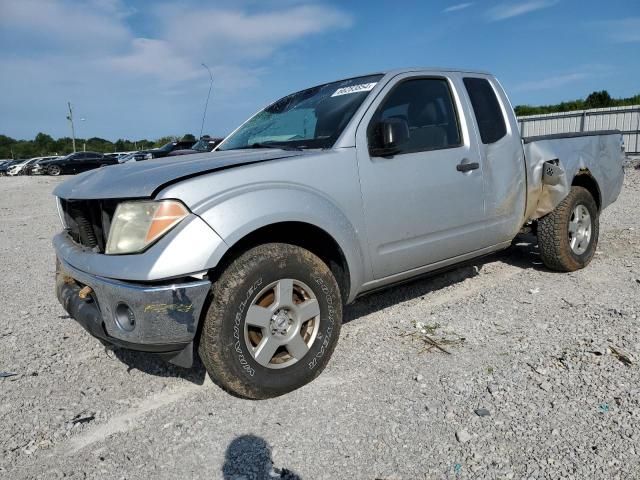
{"x":237,"y":212}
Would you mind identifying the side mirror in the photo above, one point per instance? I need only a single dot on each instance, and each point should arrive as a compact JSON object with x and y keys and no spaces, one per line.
{"x":389,"y":136}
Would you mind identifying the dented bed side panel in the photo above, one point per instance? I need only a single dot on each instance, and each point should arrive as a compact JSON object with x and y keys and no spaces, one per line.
{"x":600,"y":156}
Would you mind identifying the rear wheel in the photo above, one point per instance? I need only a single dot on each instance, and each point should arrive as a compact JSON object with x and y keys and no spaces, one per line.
{"x":568,"y":236}
{"x":273,"y":322}
{"x":54,"y":170}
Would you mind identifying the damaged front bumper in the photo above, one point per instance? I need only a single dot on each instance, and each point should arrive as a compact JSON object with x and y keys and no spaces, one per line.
{"x":161,"y":319}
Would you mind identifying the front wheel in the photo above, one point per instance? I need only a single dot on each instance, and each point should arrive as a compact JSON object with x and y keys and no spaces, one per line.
{"x":568,"y":236}
{"x":54,"y":170}
{"x":273,"y":322}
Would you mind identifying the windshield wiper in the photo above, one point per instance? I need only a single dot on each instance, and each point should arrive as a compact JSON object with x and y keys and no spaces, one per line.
{"x":279,"y":146}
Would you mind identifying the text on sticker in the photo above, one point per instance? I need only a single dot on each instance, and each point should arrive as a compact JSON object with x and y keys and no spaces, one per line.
{"x":363,"y":87}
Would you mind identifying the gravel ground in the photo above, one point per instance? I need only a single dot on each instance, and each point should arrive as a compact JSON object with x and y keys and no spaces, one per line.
{"x":541,"y":380}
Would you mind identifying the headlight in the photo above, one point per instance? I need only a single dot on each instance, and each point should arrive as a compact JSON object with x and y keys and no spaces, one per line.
{"x":61,"y":213}
{"x":138,"y":224}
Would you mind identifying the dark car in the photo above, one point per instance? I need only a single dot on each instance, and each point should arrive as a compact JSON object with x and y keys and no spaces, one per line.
{"x":205,"y":144}
{"x":76,"y":163}
{"x":164,"y":150}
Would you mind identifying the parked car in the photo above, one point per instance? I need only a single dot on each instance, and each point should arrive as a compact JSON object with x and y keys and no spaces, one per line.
{"x":8,"y":164}
{"x":135,"y":157}
{"x":323,"y":196}
{"x":76,"y":163}
{"x":117,"y":155}
{"x":35,"y":168}
{"x":164,"y":150}
{"x":19,"y":168}
{"x":205,"y":144}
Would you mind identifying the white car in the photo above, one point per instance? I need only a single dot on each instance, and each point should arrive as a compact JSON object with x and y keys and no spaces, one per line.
{"x":19,"y":168}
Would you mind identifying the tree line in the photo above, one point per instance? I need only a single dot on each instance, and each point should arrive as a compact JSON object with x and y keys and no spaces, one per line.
{"x":45,"y":145}
{"x":600,"y":99}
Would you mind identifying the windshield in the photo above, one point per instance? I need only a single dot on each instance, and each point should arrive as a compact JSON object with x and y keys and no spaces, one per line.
{"x":127,"y":158}
{"x":201,"y":146}
{"x":312,"y":118}
{"x":167,"y":147}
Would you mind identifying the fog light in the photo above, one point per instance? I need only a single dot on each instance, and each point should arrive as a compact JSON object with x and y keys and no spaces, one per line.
{"x":125,"y":319}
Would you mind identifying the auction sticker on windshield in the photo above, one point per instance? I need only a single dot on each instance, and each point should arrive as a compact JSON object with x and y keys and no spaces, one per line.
{"x":363,"y":87}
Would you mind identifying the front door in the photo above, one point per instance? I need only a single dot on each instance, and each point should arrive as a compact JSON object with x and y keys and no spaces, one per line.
{"x":421,"y":206}
{"x":79,"y":163}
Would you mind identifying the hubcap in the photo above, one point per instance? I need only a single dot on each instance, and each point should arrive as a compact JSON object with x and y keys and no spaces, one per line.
{"x":579,"y":229}
{"x":282,"y":323}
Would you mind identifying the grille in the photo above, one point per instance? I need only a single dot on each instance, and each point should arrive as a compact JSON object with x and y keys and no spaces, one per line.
{"x":88,"y":221}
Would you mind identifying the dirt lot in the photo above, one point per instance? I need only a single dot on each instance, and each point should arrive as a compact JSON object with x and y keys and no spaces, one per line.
{"x":553,"y":359}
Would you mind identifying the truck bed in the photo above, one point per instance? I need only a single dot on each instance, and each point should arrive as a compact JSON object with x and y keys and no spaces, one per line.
{"x":553,"y":161}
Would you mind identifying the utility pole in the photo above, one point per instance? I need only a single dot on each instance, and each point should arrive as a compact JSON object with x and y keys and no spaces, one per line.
{"x":73,"y":132}
{"x":207,"y":102}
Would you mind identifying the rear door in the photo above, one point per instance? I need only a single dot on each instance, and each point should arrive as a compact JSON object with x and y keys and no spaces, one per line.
{"x":502,"y":156}
{"x":420,"y":208}
{"x":93,"y":160}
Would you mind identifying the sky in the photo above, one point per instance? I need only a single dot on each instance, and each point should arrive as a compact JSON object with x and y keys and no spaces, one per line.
{"x":133,"y":69}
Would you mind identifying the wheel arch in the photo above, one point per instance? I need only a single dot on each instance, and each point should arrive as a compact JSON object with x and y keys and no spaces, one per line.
{"x":307,"y":235}
{"x":585,"y":179}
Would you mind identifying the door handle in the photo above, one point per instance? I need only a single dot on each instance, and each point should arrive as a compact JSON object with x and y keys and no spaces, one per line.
{"x":467,"y":167}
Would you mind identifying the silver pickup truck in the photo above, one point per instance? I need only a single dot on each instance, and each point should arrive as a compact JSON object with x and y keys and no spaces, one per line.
{"x":246,"y":255}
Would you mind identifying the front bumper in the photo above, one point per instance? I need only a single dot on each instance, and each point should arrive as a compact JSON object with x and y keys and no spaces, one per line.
{"x":165,"y":317}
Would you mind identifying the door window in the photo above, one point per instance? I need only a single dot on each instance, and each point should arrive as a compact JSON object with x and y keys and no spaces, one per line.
{"x":486,"y":109}
{"x":427,"y":107}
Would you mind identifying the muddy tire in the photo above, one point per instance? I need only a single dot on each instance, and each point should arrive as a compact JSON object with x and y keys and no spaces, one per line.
{"x":273,"y":322}
{"x":568,"y":236}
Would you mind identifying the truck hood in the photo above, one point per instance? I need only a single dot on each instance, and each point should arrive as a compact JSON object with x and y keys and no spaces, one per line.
{"x":142,"y":179}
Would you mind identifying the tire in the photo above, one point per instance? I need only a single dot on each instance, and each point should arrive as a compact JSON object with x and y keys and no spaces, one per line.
{"x":54,"y":170}
{"x":248,"y":318}
{"x":568,"y":236}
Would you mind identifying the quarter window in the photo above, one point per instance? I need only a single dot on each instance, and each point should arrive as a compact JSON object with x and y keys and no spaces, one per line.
{"x":427,"y":107}
{"x":487,"y":109}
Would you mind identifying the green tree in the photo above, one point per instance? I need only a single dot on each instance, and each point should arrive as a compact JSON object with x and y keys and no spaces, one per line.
{"x":123,"y":145}
{"x":6,"y":146}
{"x":97,"y":144}
{"x":189,"y":137}
{"x":43,"y":143}
{"x":63,"y":146}
{"x":599,"y":99}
